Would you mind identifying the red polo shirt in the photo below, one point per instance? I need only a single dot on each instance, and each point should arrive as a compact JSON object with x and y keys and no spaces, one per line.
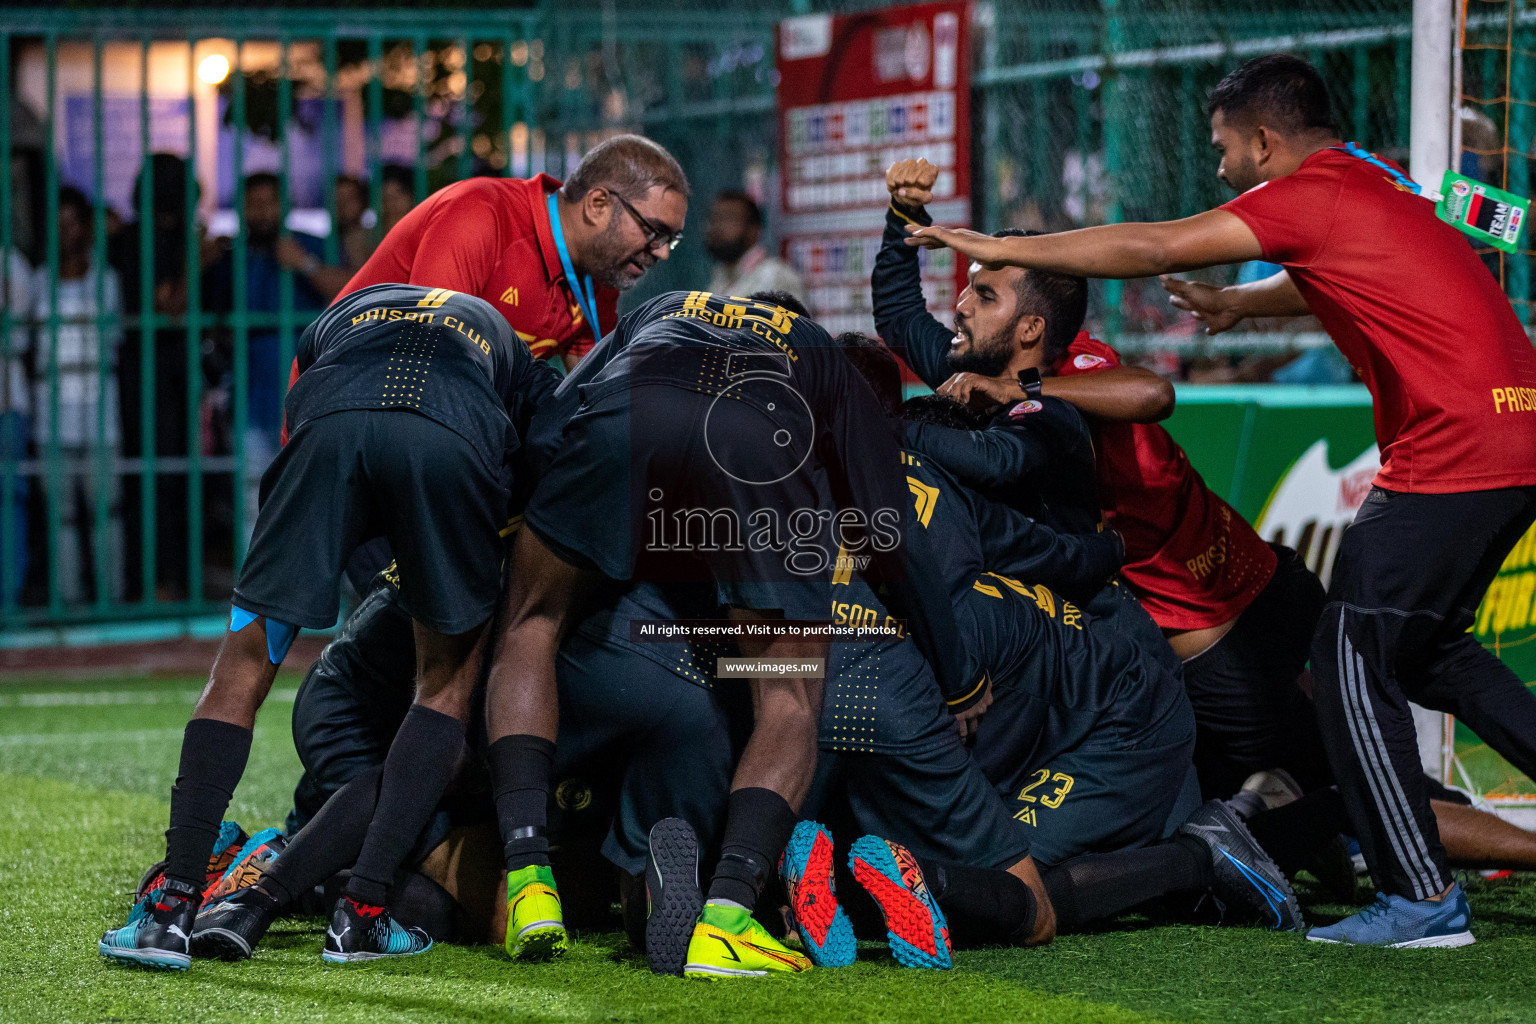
{"x":491,"y":237}
{"x":1192,"y":560}
{"x":1416,"y":313}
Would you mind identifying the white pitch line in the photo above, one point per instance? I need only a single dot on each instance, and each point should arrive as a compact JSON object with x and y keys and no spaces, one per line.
{"x":104,"y":698}
{"x":34,"y":739}
{"x":37,"y":739}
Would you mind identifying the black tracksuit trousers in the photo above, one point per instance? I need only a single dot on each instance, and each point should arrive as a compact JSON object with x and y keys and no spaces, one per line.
{"x":1409,"y":576}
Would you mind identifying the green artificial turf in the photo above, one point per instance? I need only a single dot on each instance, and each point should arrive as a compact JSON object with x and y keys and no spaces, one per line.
{"x":84,"y":770}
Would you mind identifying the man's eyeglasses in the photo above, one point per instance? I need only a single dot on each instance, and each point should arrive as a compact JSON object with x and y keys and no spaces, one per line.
{"x":654,"y":234}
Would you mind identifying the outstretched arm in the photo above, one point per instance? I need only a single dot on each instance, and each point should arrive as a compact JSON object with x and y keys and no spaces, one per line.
{"x":1076,"y":565}
{"x":1122,"y":394}
{"x":1111,"y":250}
{"x":1222,"y":308}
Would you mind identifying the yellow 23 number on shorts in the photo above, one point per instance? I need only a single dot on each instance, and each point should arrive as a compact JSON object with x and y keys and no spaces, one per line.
{"x":1051,"y":800}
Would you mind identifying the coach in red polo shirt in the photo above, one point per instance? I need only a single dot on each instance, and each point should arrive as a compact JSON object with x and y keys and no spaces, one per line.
{"x":551,"y":258}
{"x":1429,"y":332}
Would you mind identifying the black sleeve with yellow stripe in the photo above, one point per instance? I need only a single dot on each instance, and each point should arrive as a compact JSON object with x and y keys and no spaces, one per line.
{"x":901,"y":312}
{"x":925,"y":597}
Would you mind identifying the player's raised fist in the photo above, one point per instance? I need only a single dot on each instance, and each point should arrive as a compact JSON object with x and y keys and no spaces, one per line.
{"x":911,"y":182}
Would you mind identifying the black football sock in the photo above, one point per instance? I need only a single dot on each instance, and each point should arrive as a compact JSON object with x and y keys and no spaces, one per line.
{"x":1292,"y":835}
{"x":213,"y":756}
{"x":420,"y":764}
{"x":329,"y":843}
{"x":520,"y":767}
{"x":983,"y":905}
{"x":758,"y":824}
{"x":1098,"y":886}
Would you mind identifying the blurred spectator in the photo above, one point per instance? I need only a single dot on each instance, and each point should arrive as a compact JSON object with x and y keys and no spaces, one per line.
{"x":1085,"y":187}
{"x":1482,"y":149}
{"x":14,"y":407}
{"x":171,"y":209}
{"x":301,"y":253}
{"x":742,"y":266}
{"x":269,"y":252}
{"x":84,"y":352}
{"x":356,"y":241}
{"x":272,"y":250}
{"x":1321,"y":365}
{"x":397,"y":195}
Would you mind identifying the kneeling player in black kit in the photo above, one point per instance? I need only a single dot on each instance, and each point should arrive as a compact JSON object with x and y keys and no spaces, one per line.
{"x":743,"y":418}
{"x":407,"y":405}
{"x":644,"y":735}
{"x":1087,"y":739}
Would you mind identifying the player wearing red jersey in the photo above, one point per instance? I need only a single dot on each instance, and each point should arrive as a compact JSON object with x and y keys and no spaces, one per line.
{"x":550,"y":258}
{"x":1430,"y":333}
{"x":1237,"y":612}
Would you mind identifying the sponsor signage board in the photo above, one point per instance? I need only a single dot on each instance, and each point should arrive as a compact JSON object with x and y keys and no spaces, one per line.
{"x":856,"y":93}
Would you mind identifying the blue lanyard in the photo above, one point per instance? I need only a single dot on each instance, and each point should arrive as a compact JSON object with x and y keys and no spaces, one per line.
{"x":587,"y":301}
{"x":1354,"y":150}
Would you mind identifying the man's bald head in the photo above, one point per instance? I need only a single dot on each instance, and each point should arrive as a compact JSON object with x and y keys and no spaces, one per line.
{"x":630,"y":165}
{"x":627,"y":201}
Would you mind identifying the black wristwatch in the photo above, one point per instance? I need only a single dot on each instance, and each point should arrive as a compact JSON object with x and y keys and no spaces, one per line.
{"x":1029,"y":380}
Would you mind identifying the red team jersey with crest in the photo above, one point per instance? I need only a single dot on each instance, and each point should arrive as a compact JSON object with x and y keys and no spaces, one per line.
{"x":1416,"y":313}
{"x":1192,"y":560}
{"x":491,"y":238}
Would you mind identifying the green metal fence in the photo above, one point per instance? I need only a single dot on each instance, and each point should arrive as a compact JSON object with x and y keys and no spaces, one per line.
{"x":1086,"y":113}
{"x":145,"y":514}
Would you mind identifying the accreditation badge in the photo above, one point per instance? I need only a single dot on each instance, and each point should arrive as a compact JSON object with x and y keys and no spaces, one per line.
{"x":1490,"y":215}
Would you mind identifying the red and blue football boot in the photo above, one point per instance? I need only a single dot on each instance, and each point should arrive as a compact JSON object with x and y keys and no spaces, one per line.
{"x":360,"y":932}
{"x":158,"y":930}
{"x":226,"y":848}
{"x":806,"y":869}
{"x":918,"y":933}
{"x":248,"y":865}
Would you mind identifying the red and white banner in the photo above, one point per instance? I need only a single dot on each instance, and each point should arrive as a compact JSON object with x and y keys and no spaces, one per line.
{"x":856,"y":93}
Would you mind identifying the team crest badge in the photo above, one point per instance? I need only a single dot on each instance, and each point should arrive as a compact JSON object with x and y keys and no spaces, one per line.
{"x":1089,"y":362}
{"x":1023,"y":409}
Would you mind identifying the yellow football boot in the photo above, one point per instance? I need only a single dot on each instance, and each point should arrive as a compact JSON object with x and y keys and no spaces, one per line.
{"x":728,"y":943}
{"x":535,"y":927}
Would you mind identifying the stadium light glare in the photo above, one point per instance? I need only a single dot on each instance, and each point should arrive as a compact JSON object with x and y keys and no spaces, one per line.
{"x":213,"y":69}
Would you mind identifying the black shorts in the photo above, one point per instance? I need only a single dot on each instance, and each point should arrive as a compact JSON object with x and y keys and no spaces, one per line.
{"x":664,"y":483}
{"x":1107,"y":794}
{"x":647,"y":742}
{"x":1250,"y":713}
{"x":348,"y":477}
{"x":892,"y":763}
